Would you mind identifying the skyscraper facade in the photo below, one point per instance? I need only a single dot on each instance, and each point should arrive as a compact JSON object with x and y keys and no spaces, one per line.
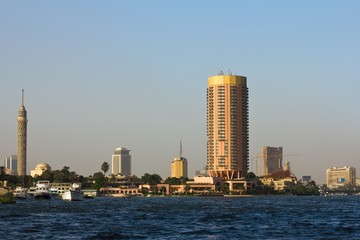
{"x":227,"y":126}
{"x":11,"y":163}
{"x":179,"y":166}
{"x":340,"y":176}
{"x":121,"y":161}
{"x":272,"y":160}
{"x":22,"y":138}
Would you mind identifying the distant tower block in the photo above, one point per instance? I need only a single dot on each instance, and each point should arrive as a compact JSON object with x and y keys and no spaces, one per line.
{"x":272,"y":160}
{"x":179,"y":166}
{"x":287,"y":166}
{"x":22,"y":138}
{"x":227,"y":126}
{"x":121,"y":162}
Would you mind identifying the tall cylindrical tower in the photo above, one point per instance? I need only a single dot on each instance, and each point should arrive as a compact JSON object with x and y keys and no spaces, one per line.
{"x":227,"y":126}
{"x":22,"y":138}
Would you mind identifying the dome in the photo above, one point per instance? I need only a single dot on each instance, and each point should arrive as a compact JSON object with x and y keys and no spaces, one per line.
{"x":42,"y":166}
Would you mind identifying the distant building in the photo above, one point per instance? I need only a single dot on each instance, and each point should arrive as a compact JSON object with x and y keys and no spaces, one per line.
{"x":11,"y":163}
{"x":40,"y":169}
{"x":339,"y":177}
{"x":22,"y":138}
{"x":202,"y":172}
{"x":287,"y":166}
{"x":179,"y":166}
{"x":227,"y":126}
{"x":121,"y":161}
{"x":272,"y":160}
{"x":306,"y":178}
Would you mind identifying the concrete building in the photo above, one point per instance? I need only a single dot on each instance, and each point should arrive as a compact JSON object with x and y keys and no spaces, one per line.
{"x":11,"y":163}
{"x":22,"y":138}
{"x":179,"y":166}
{"x":227,"y":126}
{"x":121,"y":162}
{"x":272,"y":160}
{"x":339,"y":177}
{"x":39,"y":169}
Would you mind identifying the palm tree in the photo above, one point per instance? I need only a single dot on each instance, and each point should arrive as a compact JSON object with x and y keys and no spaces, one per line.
{"x":105,"y":167}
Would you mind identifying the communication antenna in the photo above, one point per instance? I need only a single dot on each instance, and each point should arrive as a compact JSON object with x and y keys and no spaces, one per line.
{"x":22,"y":97}
{"x":180,"y":153}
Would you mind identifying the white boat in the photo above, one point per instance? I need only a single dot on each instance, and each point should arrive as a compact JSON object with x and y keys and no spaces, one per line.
{"x":89,"y":193}
{"x":31,"y":191}
{"x":20,"y":193}
{"x":71,"y":195}
{"x":42,"y":191}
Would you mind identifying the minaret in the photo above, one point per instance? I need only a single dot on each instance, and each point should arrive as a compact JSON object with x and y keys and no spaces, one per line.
{"x":22,"y":132}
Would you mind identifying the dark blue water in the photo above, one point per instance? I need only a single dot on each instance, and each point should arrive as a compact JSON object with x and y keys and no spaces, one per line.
{"x":271,"y":217}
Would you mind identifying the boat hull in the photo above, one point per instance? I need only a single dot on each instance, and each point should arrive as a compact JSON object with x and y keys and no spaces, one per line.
{"x":42,"y":195}
{"x":72,"y":196}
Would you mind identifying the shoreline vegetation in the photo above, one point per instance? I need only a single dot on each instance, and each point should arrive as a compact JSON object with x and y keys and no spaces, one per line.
{"x":7,"y":198}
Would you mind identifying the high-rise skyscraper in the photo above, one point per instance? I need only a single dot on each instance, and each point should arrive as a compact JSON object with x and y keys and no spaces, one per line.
{"x":22,"y":138}
{"x":121,"y":161}
{"x":227,"y":126}
{"x":11,"y":163}
{"x":179,"y":166}
{"x":272,"y":160}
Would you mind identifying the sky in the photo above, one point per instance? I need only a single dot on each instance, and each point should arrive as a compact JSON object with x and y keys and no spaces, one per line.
{"x":105,"y":74}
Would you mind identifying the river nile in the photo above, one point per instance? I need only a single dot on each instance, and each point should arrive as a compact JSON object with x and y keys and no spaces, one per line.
{"x":261,"y":217}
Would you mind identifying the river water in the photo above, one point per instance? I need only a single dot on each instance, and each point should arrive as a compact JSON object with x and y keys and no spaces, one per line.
{"x":260,"y":217}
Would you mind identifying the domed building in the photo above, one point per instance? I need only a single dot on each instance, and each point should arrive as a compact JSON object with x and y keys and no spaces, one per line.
{"x":39,"y":169}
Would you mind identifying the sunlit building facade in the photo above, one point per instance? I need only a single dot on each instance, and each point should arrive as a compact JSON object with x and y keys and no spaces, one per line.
{"x":11,"y":163}
{"x":339,"y":177}
{"x":40,"y":169}
{"x":227,"y":126}
{"x":121,"y":161}
{"x":179,"y":167}
{"x":272,"y":160}
{"x":22,"y":138}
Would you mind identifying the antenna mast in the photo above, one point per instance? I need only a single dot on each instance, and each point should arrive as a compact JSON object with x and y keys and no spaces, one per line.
{"x":180,"y":154}
{"x":22,"y":97}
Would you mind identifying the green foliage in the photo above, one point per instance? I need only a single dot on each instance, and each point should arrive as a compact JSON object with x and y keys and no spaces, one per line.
{"x":151,"y":179}
{"x":99,"y":180}
{"x":250,"y":176}
{"x":173,"y":181}
{"x":176,"y":181}
{"x":7,"y":198}
{"x":105,"y":167}
{"x":63,"y":175}
{"x":307,"y":189}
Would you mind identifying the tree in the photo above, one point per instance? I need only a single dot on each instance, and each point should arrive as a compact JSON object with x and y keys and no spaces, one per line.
{"x":47,"y":175}
{"x":173,"y":181}
{"x":151,"y":179}
{"x":99,"y":180}
{"x":250,"y":176}
{"x":105,"y":167}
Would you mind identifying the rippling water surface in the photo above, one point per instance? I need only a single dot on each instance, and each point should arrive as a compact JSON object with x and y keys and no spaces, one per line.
{"x":270,"y":217}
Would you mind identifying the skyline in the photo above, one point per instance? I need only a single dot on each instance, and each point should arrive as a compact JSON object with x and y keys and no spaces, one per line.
{"x":134,"y":74}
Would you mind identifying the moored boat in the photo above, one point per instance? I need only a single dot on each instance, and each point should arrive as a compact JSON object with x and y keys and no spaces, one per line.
{"x":42,"y":191}
{"x":21,"y":193}
{"x":71,"y":195}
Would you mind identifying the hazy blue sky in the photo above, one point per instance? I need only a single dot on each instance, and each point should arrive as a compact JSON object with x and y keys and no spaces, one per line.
{"x":102,"y":74}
